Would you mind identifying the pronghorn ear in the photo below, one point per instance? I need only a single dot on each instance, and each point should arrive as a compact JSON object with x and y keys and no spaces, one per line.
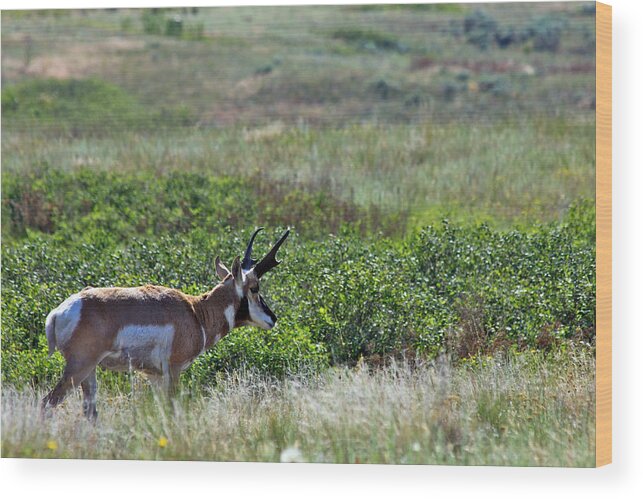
{"x":237,"y":273}
{"x":222,"y":270}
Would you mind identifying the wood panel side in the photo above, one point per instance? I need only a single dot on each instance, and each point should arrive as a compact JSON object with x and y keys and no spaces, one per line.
{"x":603,"y":234}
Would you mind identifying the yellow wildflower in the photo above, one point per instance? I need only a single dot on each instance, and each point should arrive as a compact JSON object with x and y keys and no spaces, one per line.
{"x":162,"y":442}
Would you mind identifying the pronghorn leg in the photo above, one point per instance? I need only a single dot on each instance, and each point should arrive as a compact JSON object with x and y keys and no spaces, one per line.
{"x":156,"y":381}
{"x":89,"y":387}
{"x":166,"y":383}
{"x":174,"y":374}
{"x":73,"y":375}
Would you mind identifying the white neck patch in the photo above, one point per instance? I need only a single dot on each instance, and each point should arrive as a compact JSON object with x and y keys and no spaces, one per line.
{"x":229,"y":315}
{"x":205,"y":339}
{"x":239,"y":289}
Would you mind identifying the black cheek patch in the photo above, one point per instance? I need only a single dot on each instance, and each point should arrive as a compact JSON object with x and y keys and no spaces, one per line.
{"x":243,"y":314}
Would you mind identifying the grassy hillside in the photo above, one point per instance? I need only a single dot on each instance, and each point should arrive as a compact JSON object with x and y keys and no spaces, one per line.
{"x":321,"y":65}
{"x":425,"y":110}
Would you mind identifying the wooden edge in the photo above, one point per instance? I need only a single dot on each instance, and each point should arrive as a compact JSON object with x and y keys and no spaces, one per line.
{"x":603,"y":234}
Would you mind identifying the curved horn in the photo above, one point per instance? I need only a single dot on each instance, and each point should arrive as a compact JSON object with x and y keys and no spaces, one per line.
{"x":269,"y":261}
{"x":248,"y":262}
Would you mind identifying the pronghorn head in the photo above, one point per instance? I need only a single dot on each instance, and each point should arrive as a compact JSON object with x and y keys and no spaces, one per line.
{"x":246,"y":273}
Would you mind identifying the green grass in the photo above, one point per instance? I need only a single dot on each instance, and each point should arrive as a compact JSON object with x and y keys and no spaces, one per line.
{"x":497,"y":172}
{"x":525,"y":410}
{"x":80,"y":107}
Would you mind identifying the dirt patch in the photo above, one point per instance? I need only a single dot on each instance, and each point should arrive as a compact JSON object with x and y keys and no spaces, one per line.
{"x":579,"y":68}
{"x":264,"y":133}
{"x":454,"y":66}
{"x":61,"y":67}
{"x":77,"y":61}
{"x":120,"y":44}
{"x":506,"y":66}
{"x":230,"y":113}
{"x":247,"y":87}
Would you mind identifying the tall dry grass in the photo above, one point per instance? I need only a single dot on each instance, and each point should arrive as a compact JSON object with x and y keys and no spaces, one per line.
{"x":527,"y":409}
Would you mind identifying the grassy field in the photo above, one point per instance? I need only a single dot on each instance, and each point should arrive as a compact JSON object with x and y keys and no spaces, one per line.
{"x":500,"y":173}
{"x":436,"y":164}
{"x":417,"y":110}
{"x":320,"y":65}
{"x":526,"y":410}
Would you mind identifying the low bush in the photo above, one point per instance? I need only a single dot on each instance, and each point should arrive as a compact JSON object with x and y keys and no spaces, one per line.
{"x":71,"y":104}
{"x":479,"y":29}
{"x":87,"y":205}
{"x":546,"y":33}
{"x":170,"y":23}
{"x":542,"y":34}
{"x":369,"y":39}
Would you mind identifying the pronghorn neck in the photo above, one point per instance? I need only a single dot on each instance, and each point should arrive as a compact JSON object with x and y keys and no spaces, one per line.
{"x":216,"y":310}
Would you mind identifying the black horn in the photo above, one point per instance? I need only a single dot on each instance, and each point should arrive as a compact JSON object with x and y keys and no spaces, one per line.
{"x":248,"y":262}
{"x":269,"y":261}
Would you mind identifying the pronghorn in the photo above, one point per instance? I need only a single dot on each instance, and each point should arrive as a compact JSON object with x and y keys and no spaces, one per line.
{"x":153,"y":329}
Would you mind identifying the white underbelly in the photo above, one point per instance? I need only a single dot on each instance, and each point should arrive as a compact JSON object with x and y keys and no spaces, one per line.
{"x":141,"y":347}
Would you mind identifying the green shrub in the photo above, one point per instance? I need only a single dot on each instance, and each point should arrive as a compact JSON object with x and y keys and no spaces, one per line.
{"x":546,"y":33}
{"x":479,"y":29}
{"x":340,"y":298}
{"x":174,"y":26}
{"x":73,"y":105}
{"x":523,"y":284}
{"x":87,"y":204}
{"x":286,"y":350}
{"x":153,"y":21}
{"x":165,"y":22}
{"x":368,"y":39}
{"x":82,"y":107}
{"x":483,"y":31}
